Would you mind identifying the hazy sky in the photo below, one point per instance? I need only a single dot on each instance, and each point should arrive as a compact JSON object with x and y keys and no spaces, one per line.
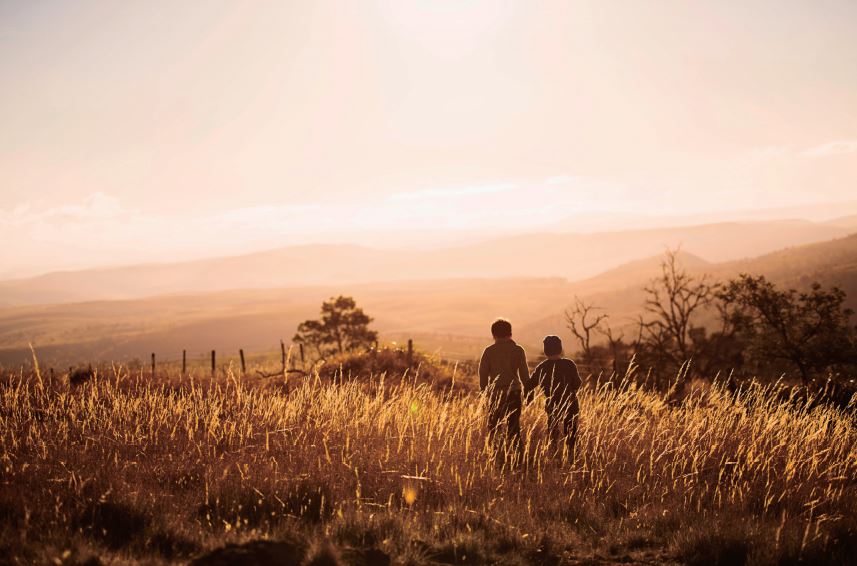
{"x":161,"y":129}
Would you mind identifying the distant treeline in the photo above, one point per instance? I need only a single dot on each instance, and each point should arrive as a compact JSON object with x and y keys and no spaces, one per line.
{"x":740,"y":328}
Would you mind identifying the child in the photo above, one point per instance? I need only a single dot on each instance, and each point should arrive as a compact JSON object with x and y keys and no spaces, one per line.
{"x":559,"y":380}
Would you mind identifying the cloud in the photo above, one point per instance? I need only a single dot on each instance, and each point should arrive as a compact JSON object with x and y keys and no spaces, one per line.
{"x":97,"y":206}
{"x":99,"y":230}
{"x":265,"y":215}
{"x":458,"y":192}
{"x":839,"y":147}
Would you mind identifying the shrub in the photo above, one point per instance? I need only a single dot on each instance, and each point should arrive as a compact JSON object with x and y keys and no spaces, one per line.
{"x":393,"y":363}
{"x":81,"y":375}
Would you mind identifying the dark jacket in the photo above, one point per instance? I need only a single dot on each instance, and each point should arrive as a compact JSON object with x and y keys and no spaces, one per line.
{"x":504,"y":365}
{"x":558,"y":379}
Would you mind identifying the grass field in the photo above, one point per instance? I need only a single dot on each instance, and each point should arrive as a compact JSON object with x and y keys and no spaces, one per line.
{"x":392,"y":470}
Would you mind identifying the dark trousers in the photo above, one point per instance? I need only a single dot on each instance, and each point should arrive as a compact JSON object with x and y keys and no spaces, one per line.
{"x":562,"y":424}
{"x":504,"y":422}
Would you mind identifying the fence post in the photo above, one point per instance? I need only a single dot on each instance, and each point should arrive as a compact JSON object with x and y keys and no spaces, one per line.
{"x":410,"y":353}
{"x":283,"y":355}
{"x":153,"y":365}
{"x":303,"y":363}
{"x":213,"y":371}
{"x":184,"y":362}
{"x":243,"y":367}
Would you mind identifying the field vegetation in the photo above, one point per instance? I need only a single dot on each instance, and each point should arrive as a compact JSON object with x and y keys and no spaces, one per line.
{"x":391,"y":465}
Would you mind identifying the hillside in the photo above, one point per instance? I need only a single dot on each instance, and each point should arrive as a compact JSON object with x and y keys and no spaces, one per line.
{"x":450,"y":315}
{"x":848,"y":222}
{"x":620,"y":293}
{"x":565,"y":255}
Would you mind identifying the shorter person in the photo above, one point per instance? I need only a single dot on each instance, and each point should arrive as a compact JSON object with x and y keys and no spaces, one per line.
{"x":559,"y":380}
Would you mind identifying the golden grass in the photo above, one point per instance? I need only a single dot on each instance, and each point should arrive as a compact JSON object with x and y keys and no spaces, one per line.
{"x":125,"y":468}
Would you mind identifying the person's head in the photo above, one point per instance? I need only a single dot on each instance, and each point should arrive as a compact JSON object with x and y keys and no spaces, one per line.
{"x":501,"y":328}
{"x":553,"y":346}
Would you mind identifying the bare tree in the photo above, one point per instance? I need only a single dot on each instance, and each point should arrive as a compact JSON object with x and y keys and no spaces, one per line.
{"x":673,"y":299}
{"x":583,"y":322}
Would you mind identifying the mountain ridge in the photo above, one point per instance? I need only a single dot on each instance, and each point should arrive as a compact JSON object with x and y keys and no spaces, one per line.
{"x":572,"y":256}
{"x":450,"y":316}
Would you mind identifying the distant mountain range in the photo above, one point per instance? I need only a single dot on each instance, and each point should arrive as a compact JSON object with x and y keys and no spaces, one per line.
{"x":843,"y":214}
{"x":572,"y":256}
{"x":451,"y":315}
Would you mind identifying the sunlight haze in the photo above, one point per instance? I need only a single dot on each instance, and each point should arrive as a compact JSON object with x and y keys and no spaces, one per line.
{"x":161,"y":131}
{"x":425,"y":282}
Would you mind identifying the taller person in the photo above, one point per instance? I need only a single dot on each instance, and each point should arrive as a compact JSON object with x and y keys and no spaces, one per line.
{"x":503,"y":376}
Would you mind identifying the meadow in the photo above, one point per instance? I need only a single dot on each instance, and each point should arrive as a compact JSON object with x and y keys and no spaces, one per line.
{"x":396,"y":468}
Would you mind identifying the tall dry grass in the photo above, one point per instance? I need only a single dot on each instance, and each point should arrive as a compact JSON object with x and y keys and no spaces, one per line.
{"x":131,"y":470}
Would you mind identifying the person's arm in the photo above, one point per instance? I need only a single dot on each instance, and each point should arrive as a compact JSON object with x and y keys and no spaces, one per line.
{"x":575,"y":381}
{"x":484,"y":370}
{"x":523,"y":370}
{"x":534,"y":382}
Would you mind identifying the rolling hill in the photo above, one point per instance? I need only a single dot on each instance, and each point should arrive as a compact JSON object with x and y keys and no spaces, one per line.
{"x":449,"y":315}
{"x":619,"y":292}
{"x":569,"y":256}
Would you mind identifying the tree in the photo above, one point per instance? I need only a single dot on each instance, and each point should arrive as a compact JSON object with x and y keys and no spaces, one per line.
{"x":673,"y":300}
{"x":343,"y":328}
{"x":585,"y":324}
{"x":581,"y":328}
{"x":807,"y":330}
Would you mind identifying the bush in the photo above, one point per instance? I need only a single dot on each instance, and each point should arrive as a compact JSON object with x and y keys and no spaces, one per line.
{"x":81,"y":375}
{"x":393,"y":363}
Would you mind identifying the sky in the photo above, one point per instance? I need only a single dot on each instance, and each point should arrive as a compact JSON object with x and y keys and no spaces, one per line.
{"x":157,"y":130}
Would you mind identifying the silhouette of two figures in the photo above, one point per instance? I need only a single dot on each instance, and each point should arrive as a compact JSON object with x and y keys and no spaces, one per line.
{"x":505,"y":379}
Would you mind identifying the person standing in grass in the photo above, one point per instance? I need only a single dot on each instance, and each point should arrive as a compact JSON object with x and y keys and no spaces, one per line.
{"x":559,"y":380}
{"x":503,"y":374}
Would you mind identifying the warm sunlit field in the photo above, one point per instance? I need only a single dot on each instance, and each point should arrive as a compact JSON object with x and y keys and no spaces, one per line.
{"x":127,"y":470}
